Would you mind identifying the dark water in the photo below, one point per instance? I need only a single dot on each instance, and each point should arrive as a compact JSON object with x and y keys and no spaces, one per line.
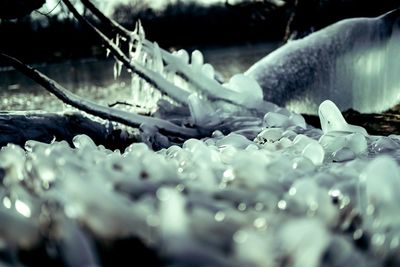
{"x":93,"y":79}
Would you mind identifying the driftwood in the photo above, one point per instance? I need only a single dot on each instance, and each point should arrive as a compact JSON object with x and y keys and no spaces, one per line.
{"x":19,"y":127}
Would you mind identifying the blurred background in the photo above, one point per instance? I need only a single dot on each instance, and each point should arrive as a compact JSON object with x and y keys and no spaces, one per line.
{"x":232,"y":34}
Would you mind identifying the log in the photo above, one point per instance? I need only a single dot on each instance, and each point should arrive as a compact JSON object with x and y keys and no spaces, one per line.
{"x":19,"y":127}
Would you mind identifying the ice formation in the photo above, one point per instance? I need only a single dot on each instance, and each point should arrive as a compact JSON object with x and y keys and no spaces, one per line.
{"x":353,"y":62}
{"x":262,"y":188}
{"x":292,"y":196}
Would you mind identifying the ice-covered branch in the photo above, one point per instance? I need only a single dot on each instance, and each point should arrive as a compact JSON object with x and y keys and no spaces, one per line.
{"x":195,"y":73}
{"x":126,"y":118}
{"x":150,"y":76}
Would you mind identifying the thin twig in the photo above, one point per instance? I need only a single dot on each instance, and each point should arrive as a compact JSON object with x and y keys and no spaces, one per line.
{"x":121,"y":103}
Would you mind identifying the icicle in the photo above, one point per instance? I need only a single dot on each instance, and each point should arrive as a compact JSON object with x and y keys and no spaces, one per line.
{"x":141,"y":32}
{"x":119,"y":68}
{"x":137,"y":55}
{"x":115,"y":71}
{"x":158,"y":64}
{"x":117,"y":40}
{"x":130,"y":49}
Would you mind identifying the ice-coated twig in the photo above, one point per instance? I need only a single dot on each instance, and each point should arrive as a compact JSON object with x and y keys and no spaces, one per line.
{"x":152,"y":77}
{"x":112,"y":114}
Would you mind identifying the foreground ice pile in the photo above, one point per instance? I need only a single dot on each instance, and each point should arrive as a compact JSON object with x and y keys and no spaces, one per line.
{"x":293,"y":196}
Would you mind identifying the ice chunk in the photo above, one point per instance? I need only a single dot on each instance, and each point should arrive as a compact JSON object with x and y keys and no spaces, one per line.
{"x":382,"y":180}
{"x":305,"y":240}
{"x":201,"y":111}
{"x":173,"y":215}
{"x":314,"y":152}
{"x":255,"y":248}
{"x":332,"y":119}
{"x":380,"y":194}
{"x":384,"y":144}
{"x":357,"y":143}
{"x":303,"y":165}
{"x":250,"y":92}
{"x":273,"y":119}
{"x":307,"y":195}
{"x":343,"y":154}
{"x":298,"y":120}
{"x":12,"y":160}
{"x":81,"y":141}
{"x":234,"y":140}
{"x":269,"y":135}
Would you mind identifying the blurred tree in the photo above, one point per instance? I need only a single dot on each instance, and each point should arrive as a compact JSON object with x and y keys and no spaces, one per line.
{"x":11,"y":9}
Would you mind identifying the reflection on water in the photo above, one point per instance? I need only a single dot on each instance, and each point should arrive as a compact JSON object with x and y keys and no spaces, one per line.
{"x":93,"y":79}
